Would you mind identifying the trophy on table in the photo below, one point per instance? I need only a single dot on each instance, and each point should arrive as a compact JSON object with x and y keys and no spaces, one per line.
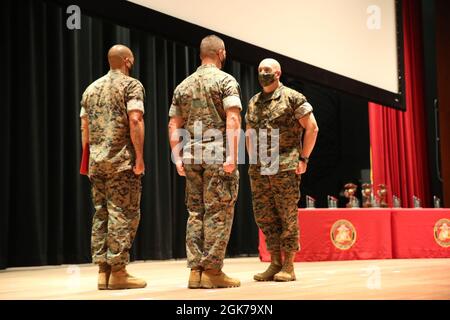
{"x":350,"y":192}
{"x":310,"y":202}
{"x":332,"y":202}
{"x":366,"y":192}
{"x":417,"y":202}
{"x":397,"y":202}
{"x":382,"y":193}
{"x":436,"y":202}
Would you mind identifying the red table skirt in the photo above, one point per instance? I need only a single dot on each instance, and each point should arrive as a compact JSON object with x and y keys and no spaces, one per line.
{"x":349,"y":234}
{"x":421,"y":233}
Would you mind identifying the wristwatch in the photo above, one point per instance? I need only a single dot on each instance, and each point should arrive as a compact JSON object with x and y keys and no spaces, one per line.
{"x":304,"y":159}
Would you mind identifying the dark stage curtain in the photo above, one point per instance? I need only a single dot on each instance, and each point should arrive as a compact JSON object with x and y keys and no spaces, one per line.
{"x":46,"y":209}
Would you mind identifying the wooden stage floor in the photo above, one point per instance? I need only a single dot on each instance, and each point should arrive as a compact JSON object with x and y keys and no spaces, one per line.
{"x":167,"y":280}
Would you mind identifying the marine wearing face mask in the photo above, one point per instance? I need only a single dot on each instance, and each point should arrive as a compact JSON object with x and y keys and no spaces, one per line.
{"x":266,"y":78}
{"x":211,"y":97}
{"x":111,"y":114}
{"x":276,"y":189}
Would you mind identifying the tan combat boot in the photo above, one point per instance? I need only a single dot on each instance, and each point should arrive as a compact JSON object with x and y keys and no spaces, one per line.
{"x":213,"y":278}
{"x":274,"y":268}
{"x":195,"y":277}
{"x":287,"y":271}
{"x":120,"y":279}
{"x":104,"y":271}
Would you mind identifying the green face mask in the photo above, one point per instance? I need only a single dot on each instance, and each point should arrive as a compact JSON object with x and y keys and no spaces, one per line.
{"x":266,"y":79}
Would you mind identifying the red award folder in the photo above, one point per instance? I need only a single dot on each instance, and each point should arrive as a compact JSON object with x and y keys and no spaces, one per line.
{"x":84,"y":166}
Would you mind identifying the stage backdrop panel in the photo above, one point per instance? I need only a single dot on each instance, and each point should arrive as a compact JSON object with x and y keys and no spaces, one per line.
{"x":356,"y":26}
{"x":341,"y":234}
{"x":421,"y":233}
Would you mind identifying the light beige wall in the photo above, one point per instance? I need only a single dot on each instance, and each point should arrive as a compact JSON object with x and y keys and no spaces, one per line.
{"x":330,"y":34}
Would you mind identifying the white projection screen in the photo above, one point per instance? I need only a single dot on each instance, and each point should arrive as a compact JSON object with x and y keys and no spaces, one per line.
{"x":353,"y":38}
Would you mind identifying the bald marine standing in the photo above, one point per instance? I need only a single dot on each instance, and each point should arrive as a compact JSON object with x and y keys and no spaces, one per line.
{"x":284,"y":114}
{"x":112,"y":126}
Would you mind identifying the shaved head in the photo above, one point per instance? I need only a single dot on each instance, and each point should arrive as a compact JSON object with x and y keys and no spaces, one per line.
{"x":210,"y":46}
{"x":270,"y":63}
{"x":269,"y":73}
{"x":118,"y":55}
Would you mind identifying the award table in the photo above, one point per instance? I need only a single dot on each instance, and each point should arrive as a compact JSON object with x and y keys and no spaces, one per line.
{"x":370,"y":233}
{"x":420,"y":233}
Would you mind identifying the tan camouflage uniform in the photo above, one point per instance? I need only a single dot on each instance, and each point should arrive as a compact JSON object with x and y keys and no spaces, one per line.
{"x":275,"y":196}
{"x":210,"y":192}
{"x":116,"y":190}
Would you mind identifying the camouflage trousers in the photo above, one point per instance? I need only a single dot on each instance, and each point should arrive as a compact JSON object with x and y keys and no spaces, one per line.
{"x":116,"y":200}
{"x":210,"y":198}
{"x":275,"y":199}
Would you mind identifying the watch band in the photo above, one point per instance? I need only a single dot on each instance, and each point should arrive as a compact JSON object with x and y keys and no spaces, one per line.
{"x":304,"y":159}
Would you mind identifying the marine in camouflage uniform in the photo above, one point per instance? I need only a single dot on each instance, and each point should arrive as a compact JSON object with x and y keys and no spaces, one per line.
{"x":201,"y":101}
{"x":275,"y":195}
{"x":116,"y":189}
